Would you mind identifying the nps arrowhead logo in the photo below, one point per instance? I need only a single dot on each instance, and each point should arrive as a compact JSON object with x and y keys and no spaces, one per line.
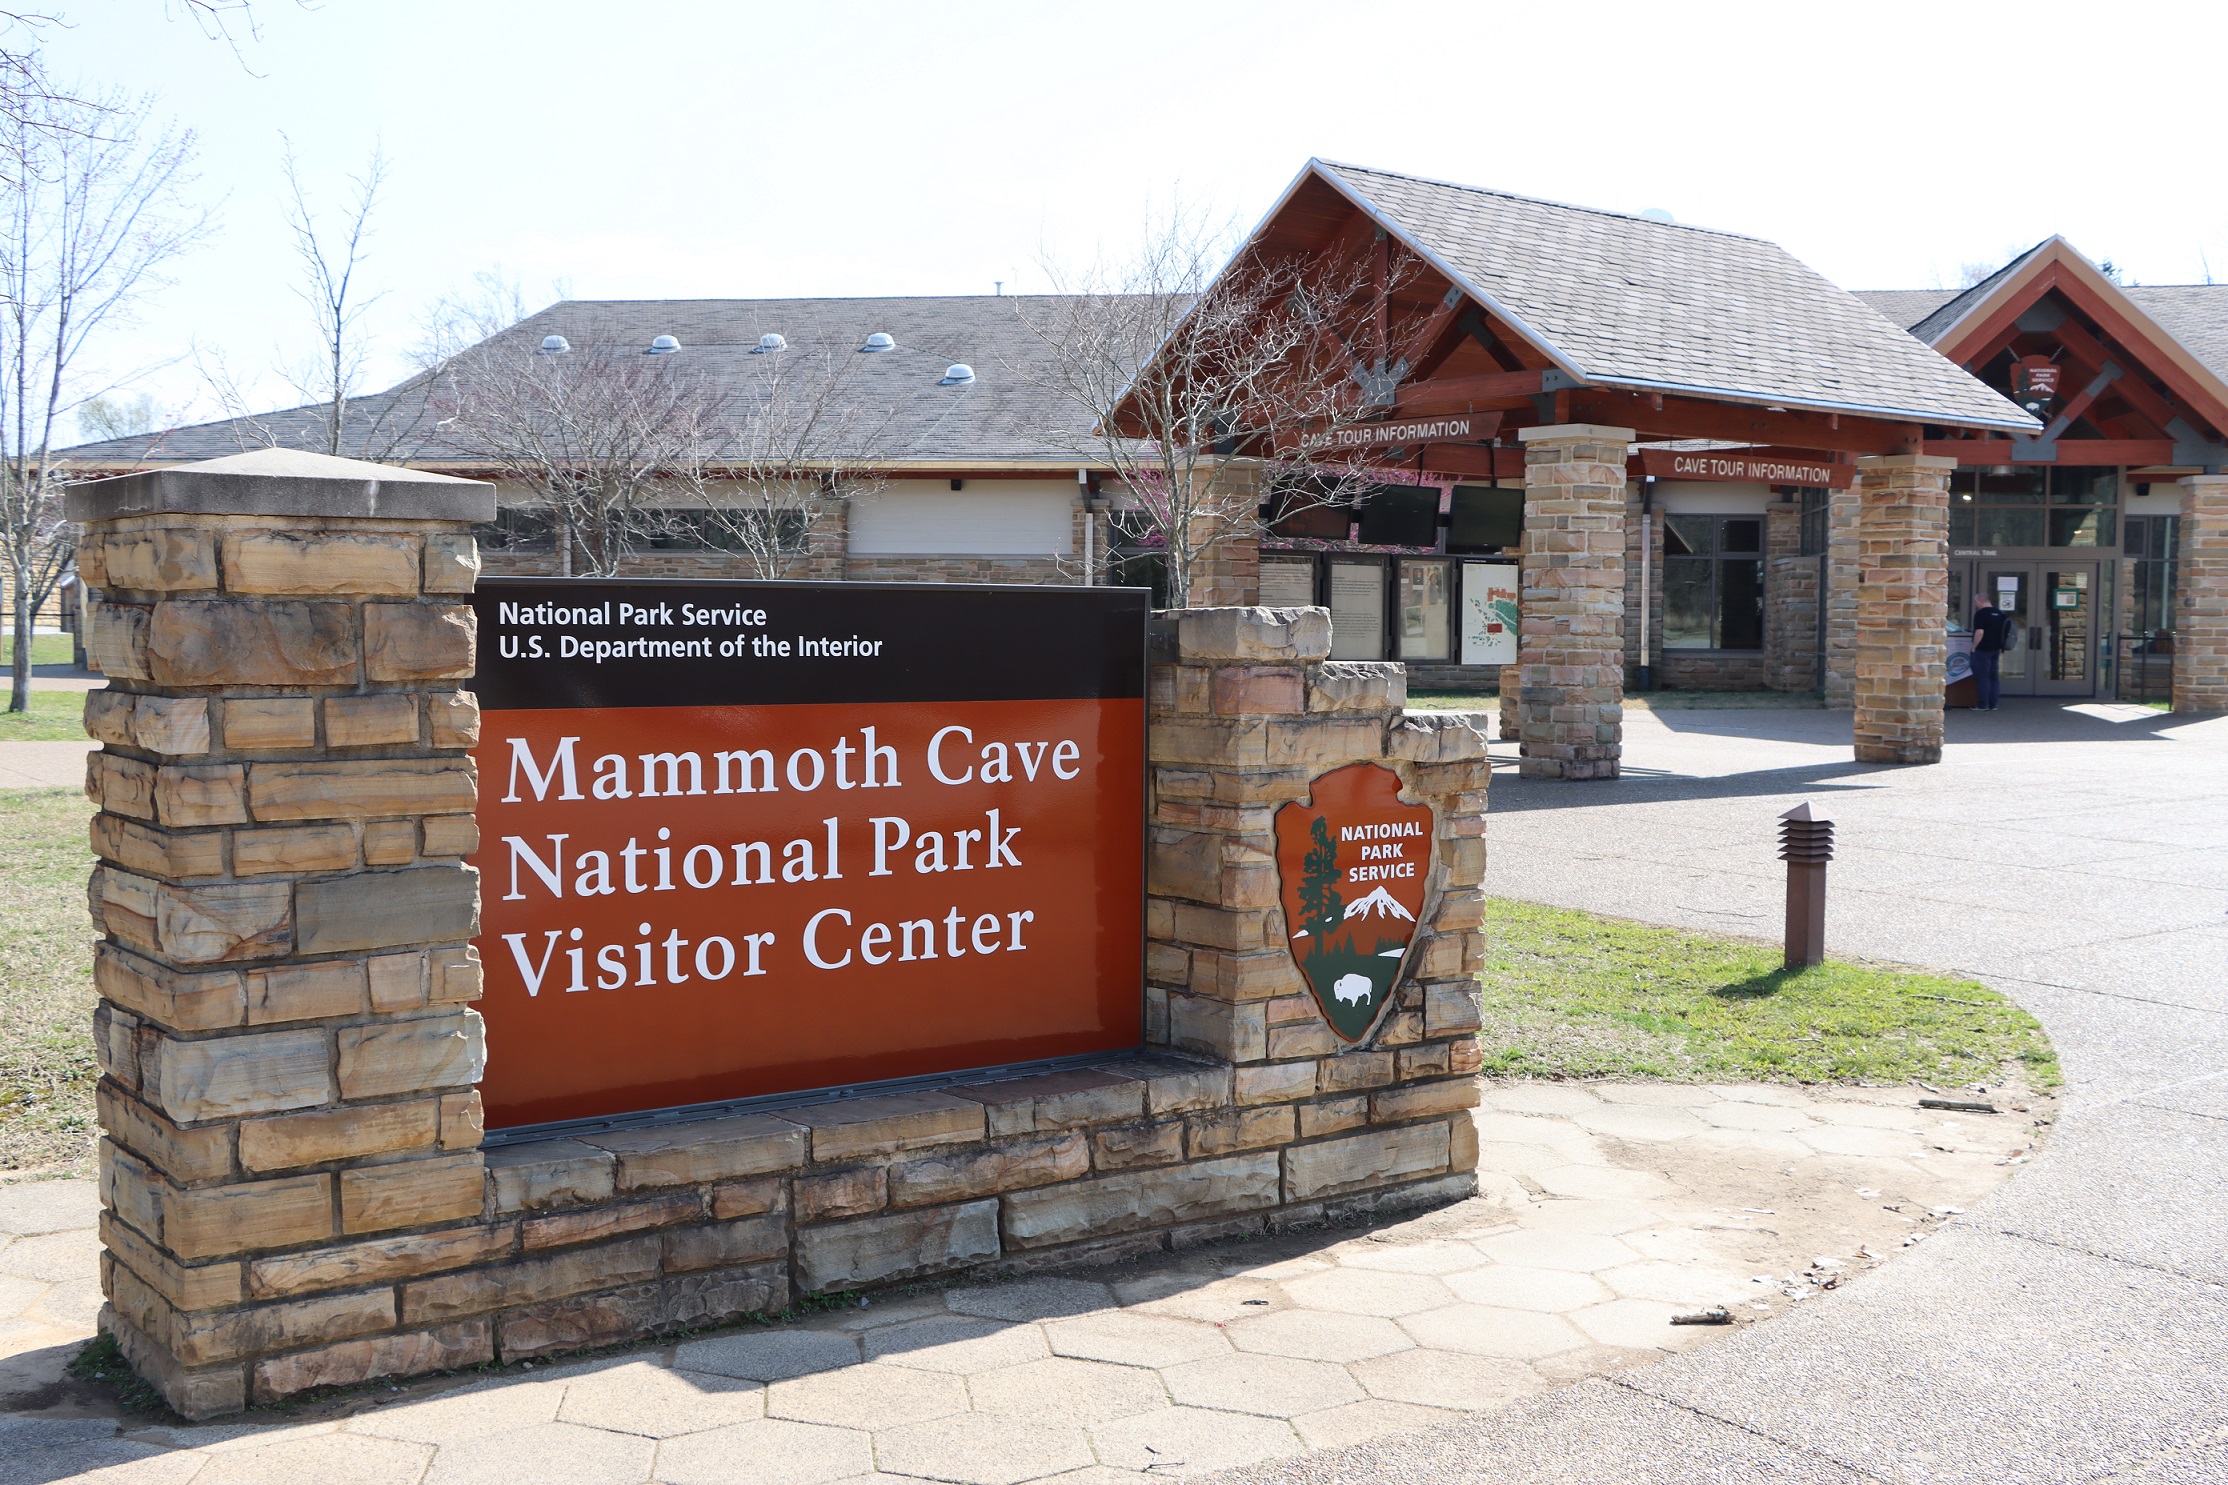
{"x":1352,"y":864}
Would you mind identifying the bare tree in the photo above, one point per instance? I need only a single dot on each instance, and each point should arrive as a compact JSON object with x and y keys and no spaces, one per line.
{"x":1196,"y":379}
{"x":330,"y":262}
{"x":89,"y":223}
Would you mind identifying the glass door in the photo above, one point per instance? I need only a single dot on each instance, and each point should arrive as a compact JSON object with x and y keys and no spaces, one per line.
{"x":2063,"y":645}
{"x":2012,"y":587}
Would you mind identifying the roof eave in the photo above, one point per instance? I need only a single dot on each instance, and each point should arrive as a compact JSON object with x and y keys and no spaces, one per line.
{"x":2014,"y":419}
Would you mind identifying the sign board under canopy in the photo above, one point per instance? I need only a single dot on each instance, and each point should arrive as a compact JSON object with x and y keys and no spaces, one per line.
{"x":749,"y":838}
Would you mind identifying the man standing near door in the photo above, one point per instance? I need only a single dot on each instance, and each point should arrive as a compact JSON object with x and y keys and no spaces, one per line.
{"x":1989,"y":626}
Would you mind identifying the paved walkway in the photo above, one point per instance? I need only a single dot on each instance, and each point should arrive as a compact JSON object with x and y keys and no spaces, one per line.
{"x":1612,"y":1209}
{"x":44,"y":765}
{"x":2074,"y":1326}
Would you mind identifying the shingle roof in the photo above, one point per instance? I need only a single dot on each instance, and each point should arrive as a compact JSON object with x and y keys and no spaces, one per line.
{"x":1631,"y":301}
{"x":1905,"y":307}
{"x":2194,"y":314}
{"x":891,"y":399}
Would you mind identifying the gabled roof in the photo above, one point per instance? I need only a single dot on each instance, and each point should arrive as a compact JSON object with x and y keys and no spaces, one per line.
{"x":1632,"y":302}
{"x":891,"y":400}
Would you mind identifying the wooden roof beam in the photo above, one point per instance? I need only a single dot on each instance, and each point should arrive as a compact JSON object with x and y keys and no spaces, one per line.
{"x":1680,"y":417}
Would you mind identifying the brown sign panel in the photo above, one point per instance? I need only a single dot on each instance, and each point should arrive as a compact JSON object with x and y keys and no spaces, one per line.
{"x":1455,"y":428}
{"x":1747,"y":466}
{"x":740,"y":839}
{"x":1352,"y":864}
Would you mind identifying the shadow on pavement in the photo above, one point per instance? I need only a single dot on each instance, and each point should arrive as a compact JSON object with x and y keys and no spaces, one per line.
{"x":1512,"y":794}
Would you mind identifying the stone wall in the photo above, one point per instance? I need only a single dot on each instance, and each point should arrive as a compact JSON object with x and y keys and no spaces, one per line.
{"x":1902,"y":606}
{"x":2201,"y":597}
{"x":294,"y":1187}
{"x":1571,"y":650}
{"x":1790,"y":603}
{"x":1712,"y":670}
{"x":1840,"y":685}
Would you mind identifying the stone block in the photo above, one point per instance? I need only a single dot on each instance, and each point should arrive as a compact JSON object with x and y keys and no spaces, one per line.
{"x":1465,"y":1056}
{"x":293,"y":849}
{"x":219,"y":1221}
{"x":451,"y":835}
{"x":414,"y":1192}
{"x":222,"y":922}
{"x":902,"y":1245}
{"x":453,"y":975}
{"x":295,"y":1140}
{"x":355,"y":564}
{"x":370,"y":721}
{"x":251,"y":643}
{"x":1418,"y":1100}
{"x":1232,"y":1130}
{"x":863,"y":1128}
{"x":388,"y":909}
{"x":233,"y":1335}
{"x":749,"y":1198}
{"x":187,"y":1156}
{"x":206,"y":1286}
{"x":1309,"y":1038}
{"x":175,"y":725}
{"x":116,"y":1044}
{"x":1137,"y":1146}
{"x":1236,"y":1033}
{"x":165,"y":559}
{"x":1241,"y":975}
{"x":1257,"y":690}
{"x":418,"y":642}
{"x":390,"y":842}
{"x":264,"y":723}
{"x":540,"y":1174}
{"x":1173,"y":1087}
{"x":690,"y":1301}
{"x":377,"y":1260}
{"x":125,"y":786}
{"x":227,"y":1077}
{"x":1184,"y":863}
{"x":193,"y":1394}
{"x":305,"y":992}
{"x":705,"y":1150}
{"x":1275,"y":1082}
{"x":355,"y":789}
{"x":1322,"y":742}
{"x":116,"y":640}
{"x":1332,"y":1115}
{"x":1288,"y":635}
{"x":1060,"y":1100}
{"x":1435,"y":737}
{"x":1352,"y":1070}
{"x":389,"y":1058}
{"x":455,"y":719}
{"x":1227,"y":928}
{"x":1462,"y":1144}
{"x":1450,"y":1009}
{"x":445,"y":1348}
{"x":824,"y":1196}
{"x":725,"y":1244}
{"x":531,"y":1280}
{"x":957,"y":1175}
{"x":132,"y":1189}
{"x":1382,"y":1157}
{"x":1433,"y":1060}
{"x":463,"y":1120}
{"x":594,"y":1224}
{"x":1357,"y":686}
{"x":580,"y":1323}
{"x":108,"y":717}
{"x":398,"y":982}
{"x":1400,"y":1029}
{"x":1139,"y":1201}
{"x":452,"y":562}
{"x":208,"y":1001}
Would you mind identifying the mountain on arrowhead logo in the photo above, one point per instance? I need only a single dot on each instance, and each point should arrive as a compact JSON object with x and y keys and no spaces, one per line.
{"x":1352,"y":864}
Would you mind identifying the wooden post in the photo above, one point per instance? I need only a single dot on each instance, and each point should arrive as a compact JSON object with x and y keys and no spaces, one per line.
{"x":1806,"y":845}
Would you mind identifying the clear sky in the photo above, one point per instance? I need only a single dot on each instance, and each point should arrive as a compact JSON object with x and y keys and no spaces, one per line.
{"x":739,"y":148}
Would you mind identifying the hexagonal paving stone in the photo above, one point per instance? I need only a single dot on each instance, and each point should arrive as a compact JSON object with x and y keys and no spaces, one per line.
{"x":28,"y":1207}
{"x":1319,"y":1335}
{"x":54,"y":1257}
{"x":1362,"y":1292}
{"x":1212,"y":1301}
{"x":1446,"y":1379}
{"x":1409,"y":1258}
{"x":871,"y":1315}
{"x":1638,"y":1323}
{"x":1685,"y":1284}
{"x":1482,"y":1330}
{"x":657,"y":1402}
{"x":982,"y":1449}
{"x":1355,"y":1423}
{"x":1283,"y":1268}
{"x":959,"y":1344}
{"x":1629,"y":1122}
{"x":769,"y":1355}
{"x":1189,"y":1441}
{"x":1062,"y":1390}
{"x":1656,"y":1095}
{"x":1518,"y":1129}
{"x":73,"y":1306}
{"x":1595,"y":1361}
{"x":469,"y":1413}
{"x":1595,"y":1181}
{"x":333,"y":1456}
{"x":769,"y":1452}
{"x":1754,"y":1116}
{"x":1608,"y":1217}
{"x":1540,"y":1098}
{"x":1030,"y":1299}
{"x":870,"y":1396}
{"x":1518,"y":1160}
{"x":1840,"y":1139}
{"x":18,"y":1295}
{"x":1272,"y":1386}
{"x":1579,"y":1252}
{"x":1868,"y":1115}
{"x":550,"y":1454}
{"x":1547,"y":1290}
{"x":1134,"y":1340}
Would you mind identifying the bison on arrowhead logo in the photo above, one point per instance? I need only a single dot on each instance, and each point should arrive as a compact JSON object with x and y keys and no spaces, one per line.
{"x":1352,"y":864}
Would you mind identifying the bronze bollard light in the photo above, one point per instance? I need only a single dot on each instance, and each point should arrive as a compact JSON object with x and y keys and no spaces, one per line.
{"x":1806,"y":845}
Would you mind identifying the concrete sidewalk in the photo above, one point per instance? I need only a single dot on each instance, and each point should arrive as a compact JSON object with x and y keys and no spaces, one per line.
{"x":2074,"y":1327}
{"x":44,"y":765}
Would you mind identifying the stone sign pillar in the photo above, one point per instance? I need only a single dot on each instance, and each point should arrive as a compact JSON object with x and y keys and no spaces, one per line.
{"x":285,"y":1036}
{"x":1902,"y":606}
{"x":2201,"y":597}
{"x":1571,"y":648}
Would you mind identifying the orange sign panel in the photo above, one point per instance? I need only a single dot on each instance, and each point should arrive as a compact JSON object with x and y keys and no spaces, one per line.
{"x":1352,"y":864}
{"x":689,"y":897}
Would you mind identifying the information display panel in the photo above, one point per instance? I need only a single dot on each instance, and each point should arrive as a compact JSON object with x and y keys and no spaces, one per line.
{"x":749,"y":838}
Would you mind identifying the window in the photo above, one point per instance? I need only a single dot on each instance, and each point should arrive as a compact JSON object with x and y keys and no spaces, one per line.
{"x":1713,"y":582}
{"x":1485,"y":519}
{"x":1401,"y":516}
{"x":2033,"y":507}
{"x":2152,"y":547}
{"x":1137,"y":559}
{"x":1815,"y":522}
{"x":1426,"y":610}
{"x":518,"y":528}
{"x":666,"y":529}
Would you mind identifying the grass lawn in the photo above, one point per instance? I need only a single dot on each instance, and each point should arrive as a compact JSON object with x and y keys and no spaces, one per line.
{"x":1570,"y":995}
{"x":1453,"y":701}
{"x":55,"y":716}
{"x":46,"y":649}
{"x":46,"y":980}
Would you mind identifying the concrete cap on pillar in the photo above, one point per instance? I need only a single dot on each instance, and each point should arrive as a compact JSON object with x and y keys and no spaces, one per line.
{"x":285,"y":482}
{"x":1561,"y":431}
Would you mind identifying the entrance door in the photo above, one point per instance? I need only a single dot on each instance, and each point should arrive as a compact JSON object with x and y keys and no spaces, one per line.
{"x":2050,"y":649}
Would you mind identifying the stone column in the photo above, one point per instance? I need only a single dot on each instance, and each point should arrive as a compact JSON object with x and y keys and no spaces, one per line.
{"x":2201,"y":597}
{"x":1902,"y":606}
{"x":1790,"y":602}
{"x":1840,"y":681}
{"x":1229,"y":572}
{"x":1572,"y":602}
{"x":284,"y":968}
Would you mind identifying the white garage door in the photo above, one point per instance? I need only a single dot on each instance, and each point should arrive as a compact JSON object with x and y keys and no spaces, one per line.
{"x":984,"y":522}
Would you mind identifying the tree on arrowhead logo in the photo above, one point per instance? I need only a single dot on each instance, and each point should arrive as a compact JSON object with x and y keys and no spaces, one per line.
{"x":1352,"y":864}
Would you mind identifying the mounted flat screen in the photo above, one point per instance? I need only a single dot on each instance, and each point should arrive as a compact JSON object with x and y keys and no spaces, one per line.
{"x":741,"y":839}
{"x":1401,"y":516}
{"x":1485,"y":517}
